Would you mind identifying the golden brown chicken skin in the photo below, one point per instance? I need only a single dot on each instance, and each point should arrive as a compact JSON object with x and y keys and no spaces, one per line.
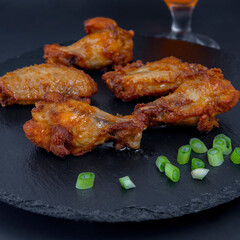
{"x":28,"y":85}
{"x":65,"y":126}
{"x":106,"y":44}
{"x":157,"y":78}
{"x":194,"y":103}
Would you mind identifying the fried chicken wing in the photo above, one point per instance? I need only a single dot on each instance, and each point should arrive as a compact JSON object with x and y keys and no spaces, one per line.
{"x":152,"y":79}
{"x":65,"y":126}
{"x":29,"y":84}
{"x":195,"y":103}
{"x":106,"y":44}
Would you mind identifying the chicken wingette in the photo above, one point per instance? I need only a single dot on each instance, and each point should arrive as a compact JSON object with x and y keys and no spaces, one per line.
{"x":66,"y":126}
{"x":29,"y":84}
{"x":157,"y":78}
{"x":106,"y":44}
{"x":194,"y":103}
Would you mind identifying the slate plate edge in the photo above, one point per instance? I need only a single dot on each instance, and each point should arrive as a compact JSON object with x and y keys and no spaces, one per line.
{"x":127,"y":214}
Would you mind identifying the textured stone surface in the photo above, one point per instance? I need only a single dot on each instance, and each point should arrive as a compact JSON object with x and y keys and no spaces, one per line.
{"x":37,"y":181}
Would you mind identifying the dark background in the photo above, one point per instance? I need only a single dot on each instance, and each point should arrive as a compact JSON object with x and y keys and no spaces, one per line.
{"x":27,"y":24}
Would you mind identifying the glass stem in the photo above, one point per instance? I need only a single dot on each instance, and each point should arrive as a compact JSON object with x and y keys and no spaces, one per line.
{"x":181,"y":20}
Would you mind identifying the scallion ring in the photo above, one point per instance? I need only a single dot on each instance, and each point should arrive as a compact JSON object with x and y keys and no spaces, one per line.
{"x":172,"y":172}
{"x":126,"y":182}
{"x":215,"y":157}
{"x":197,"y":163}
{"x":228,"y":149}
{"x":85,"y":180}
{"x":199,"y":173}
{"x":235,"y":156}
{"x":220,"y":143}
{"x":197,"y":145}
{"x":184,"y":153}
{"x":160,"y":163}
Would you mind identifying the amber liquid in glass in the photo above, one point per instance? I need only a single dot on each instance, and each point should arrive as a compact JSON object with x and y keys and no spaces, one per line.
{"x":181,"y":2}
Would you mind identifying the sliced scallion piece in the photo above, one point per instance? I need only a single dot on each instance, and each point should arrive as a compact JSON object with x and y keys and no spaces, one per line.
{"x":197,"y":163}
{"x":197,"y":145}
{"x":85,"y":180}
{"x":220,"y":143}
{"x":228,"y":149}
{"x":235,"y":156}
{"x":160,"y":163}
{"x":199,"y":173}
{"x":172,"y":172}
{"x":184,"y":153}
{"x":215,"y":157}
{"x":126,"y":182}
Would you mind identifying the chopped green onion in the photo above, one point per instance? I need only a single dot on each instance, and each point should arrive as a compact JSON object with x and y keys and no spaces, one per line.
{"x":197,"y":163}
{"x":235,"y":157}
{"x":126,"y":182}
{"x":220,"y":143}
{"x":184,"y":153}
{"x":197,"y":145}
{"x":85,"y":180}
{"x":215,"y":157}
{"x":199,"y":173}
{"x":228,"y":149}
{"x":172,"y":172}
{"x":160,"y":163}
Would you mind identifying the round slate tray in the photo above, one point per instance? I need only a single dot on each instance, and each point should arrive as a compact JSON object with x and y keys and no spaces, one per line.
{"x":35,"y":180}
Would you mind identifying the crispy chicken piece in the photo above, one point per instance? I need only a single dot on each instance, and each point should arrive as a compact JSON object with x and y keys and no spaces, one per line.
{"x":105,"y":44}
{"x":194,"y":103}
{"x":29,"y":84}
{"x":65,"y":126}
{"x":152,"y":79}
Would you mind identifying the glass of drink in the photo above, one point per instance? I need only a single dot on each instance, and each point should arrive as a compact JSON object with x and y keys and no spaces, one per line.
{"x":181,"y":11}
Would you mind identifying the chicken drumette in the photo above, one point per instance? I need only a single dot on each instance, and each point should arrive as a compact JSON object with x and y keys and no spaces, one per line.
{"x":152,"y":79}
{"x":106,"y":44}
{"x":29,"y":84}
{"x":194,"y":103}
{"x":65,"y":126}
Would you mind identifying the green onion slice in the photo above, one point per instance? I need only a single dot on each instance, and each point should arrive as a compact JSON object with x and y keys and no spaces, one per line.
{"x":85,"y":180}
{"x":197,"y":145}
{"x":228,"y":148}
{"x":160,"y":163}
{"x":199,"y":173}
{"x":126,"y":182}
{"x":197,"y":163}
{"x":215,"y":157}
{"x":220,"y":143}
{"x":235,"y":157}
{"x":184,"y":153}
{"x":172,"y":172}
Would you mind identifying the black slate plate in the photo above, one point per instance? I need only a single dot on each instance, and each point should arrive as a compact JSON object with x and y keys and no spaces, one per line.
{"x":35,"y":180}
